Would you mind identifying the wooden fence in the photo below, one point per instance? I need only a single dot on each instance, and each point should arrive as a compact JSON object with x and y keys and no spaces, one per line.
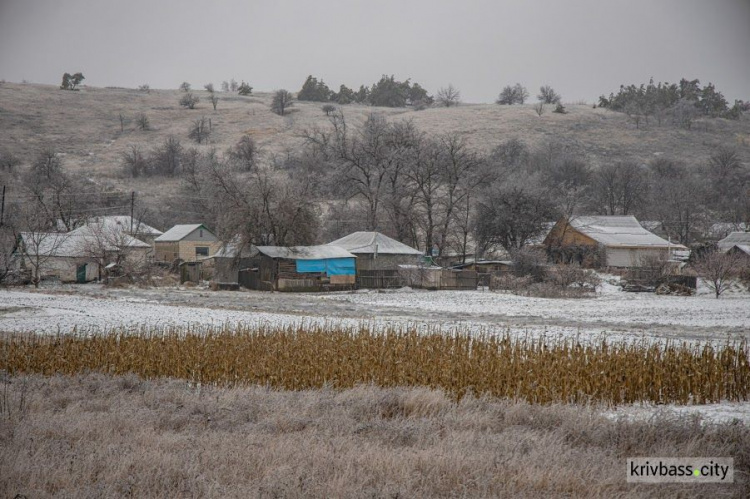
{"x":458,"y":279}
{"x":378,"y":279}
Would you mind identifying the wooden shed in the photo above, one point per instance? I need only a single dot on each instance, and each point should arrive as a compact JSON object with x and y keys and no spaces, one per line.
{"x":230,"y":260}
{"x":301,"y":268}
{"x":379,"y":258}
{"x":376,"y":251}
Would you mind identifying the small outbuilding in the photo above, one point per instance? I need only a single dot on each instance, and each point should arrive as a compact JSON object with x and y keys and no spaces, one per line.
{"x":301,"y":268}
{"x":607,"y":241}
{"x":736,"y":242}
{"x":376,"y":251}
{"x":379,"y":258}
{"x":188,"y":243}
{"x":230,"y":260}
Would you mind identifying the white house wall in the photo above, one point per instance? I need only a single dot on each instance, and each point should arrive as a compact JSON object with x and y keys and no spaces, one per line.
{"x":631,"y":257}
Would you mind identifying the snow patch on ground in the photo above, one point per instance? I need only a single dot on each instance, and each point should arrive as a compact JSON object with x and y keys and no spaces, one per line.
{"x":726,"y":412}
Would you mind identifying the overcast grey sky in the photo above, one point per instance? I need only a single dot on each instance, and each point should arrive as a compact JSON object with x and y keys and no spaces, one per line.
{"x":583,"y":48}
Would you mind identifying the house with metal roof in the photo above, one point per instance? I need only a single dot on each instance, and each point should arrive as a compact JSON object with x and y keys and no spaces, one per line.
{"x":735,"y":241}
{"x":188,"y":243}
{"x":80,"y":255}
{"x":607,"y":241}
{"x":301,"y":268}
{"x":376,"y":251}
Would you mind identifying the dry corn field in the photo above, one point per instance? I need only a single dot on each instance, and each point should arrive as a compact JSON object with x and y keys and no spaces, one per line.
{"x":299,"y":358}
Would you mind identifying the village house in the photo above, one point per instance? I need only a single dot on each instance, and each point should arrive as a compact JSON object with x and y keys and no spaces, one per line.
{"x":301,"y":268}
{"x":105,"y":234}
{"x":607,"y":241}
{"x":188,"y":243}
{"x":80,"y":255}
{"x":738,"y":242}
{"x":55,"y":255}
{"x":379,"y":258}
{"x":376,"y":251}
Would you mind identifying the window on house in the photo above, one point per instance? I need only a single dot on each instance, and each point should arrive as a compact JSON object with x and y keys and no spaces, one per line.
{"x":201,"y":251}
{"x":201,"y":233}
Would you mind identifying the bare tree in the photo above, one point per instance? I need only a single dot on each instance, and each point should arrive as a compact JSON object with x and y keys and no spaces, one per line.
{"x":547,"y":95}
{"x":142,"y":122}
{"x":262,"y":208}
{"x":717,"y":269}
{"x":105,"y":243}
{"x":460,"y":176}
{"x":520,"y":92}
{"x":244,"y":154}
{"x":675,"y":199}
{"x":684,"y":113}
{"x":517,"y":94}
{"x":214,"y":100}
{"x":134,"y":162}
{"x":225,"y":86}
{"x":511,"y":213}
{"x":425,"y":173}
{"x":233,"y":86}
{"x":146,"y":88}
{"x":8,"y":238}
{"x":328,"y":109}
{"x":52,"y":191}
{"x":47,"y":164}
{"x":282,"y":100}
{"x":8,"y":160}
{"x":167,"y":159}
{"x":448,"y":96}
{"x":209,"y":87}
{"x":619,"y":188}
{"x":189,"y":100}
{"x":185,"y":86}
{"x":38,"y":245}
{"x":200,"y":130}
{"x":539,"y":109}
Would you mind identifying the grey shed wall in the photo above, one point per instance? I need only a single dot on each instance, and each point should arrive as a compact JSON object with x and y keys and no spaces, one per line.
{"x":227,"y":269}
{"x":365,"y":261}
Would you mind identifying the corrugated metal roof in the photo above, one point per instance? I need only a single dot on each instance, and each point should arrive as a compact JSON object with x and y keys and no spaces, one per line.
{"x":230,"y":251}
{"x":60,"y":244}
{"x":305,"y":252}
{"x":109,"y":232}
{"x":179,"y":232}
{"x":371,"y":242}
{"x":734,"y":239}
{"x":123,"y":221}
{"x":620,"y":231}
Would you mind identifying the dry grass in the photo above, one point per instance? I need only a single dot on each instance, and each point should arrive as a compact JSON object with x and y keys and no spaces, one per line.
{"x":300,"y":357}
{"x":101,"y":436}
{"x":85,"y":125}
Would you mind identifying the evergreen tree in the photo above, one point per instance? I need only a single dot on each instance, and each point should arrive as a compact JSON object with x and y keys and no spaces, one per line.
{"x":314,"y":90}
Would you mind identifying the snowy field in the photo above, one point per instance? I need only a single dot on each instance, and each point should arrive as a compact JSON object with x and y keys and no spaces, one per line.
{"x":613,"y":314}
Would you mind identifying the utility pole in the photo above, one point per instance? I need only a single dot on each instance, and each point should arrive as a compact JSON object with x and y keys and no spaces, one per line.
{"x":132,"y":209}
{"x":2,"y":209}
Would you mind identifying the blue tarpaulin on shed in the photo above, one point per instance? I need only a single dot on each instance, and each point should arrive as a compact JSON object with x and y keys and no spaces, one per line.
{"x":331,"y":266}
